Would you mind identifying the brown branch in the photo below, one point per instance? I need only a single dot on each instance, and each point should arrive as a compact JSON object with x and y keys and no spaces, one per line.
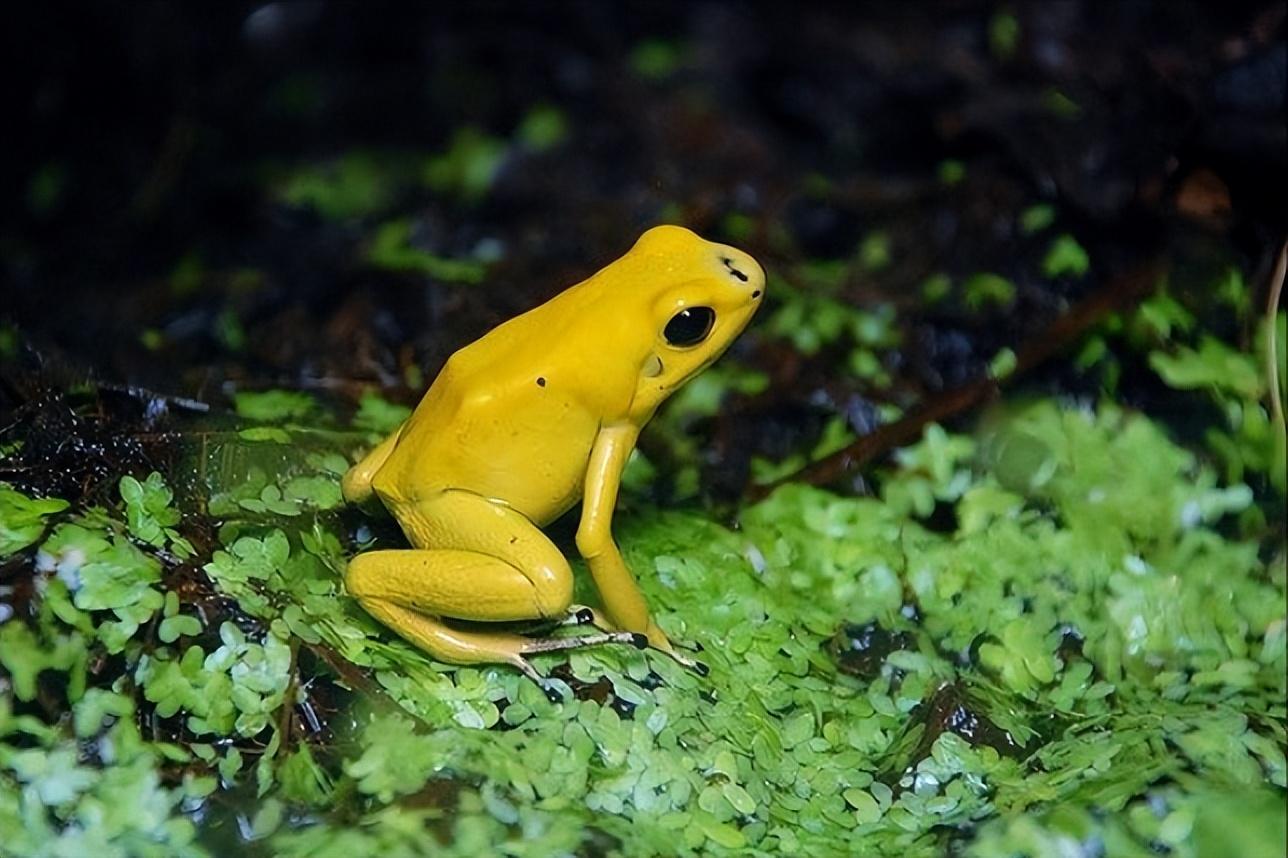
{"x":284,"y":718}
{"x":1120,"y":292}
{"x":356,"y":680}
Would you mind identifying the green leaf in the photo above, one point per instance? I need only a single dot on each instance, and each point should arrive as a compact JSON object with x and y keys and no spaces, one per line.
{"x":148,"y":512}
{"x":357,"y":185}
{"x":1065,"y":257}
{"x":392,"y":250}
{"x":1036,"y":218}
{"x":739,"y":798}
{"x":468,"y":167}
{"x":866,"y":809}
{"x":274,"y":406}
{"x":172,"y":628}
{"x":265,"y":433}
{"x":543,"y":128}
{"x":379,"y":415}
{"x":986,"y":289}
{"x":95,"y":709}
{"x":1214,"y":365}
{"x":317,"y":492}
{"x":723,"y":834}
{"x":656,"y":59}
{"x":22,"y":519}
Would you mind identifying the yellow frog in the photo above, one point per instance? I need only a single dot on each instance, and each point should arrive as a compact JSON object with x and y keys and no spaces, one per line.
{"x":540,"y":413}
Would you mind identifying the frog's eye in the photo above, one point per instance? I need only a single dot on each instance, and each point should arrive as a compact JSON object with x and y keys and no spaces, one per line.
{"x":690,"y":326}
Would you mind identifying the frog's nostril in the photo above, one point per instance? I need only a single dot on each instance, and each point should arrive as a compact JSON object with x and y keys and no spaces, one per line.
{"x":728,"y":263}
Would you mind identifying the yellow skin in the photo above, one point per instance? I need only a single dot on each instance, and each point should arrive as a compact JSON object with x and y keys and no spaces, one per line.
{"x":518,"y":427}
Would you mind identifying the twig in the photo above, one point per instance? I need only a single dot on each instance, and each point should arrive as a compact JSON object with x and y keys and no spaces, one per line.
{"x":1272,"y":345}
{"x":357,"y":680}
{"x":288,"y":701}
{"x":1062,"y":333}
{"x":143,"y":393}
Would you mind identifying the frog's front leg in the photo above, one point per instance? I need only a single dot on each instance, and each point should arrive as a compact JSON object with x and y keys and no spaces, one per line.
{"x":474,"y":560}
{"x":623,"y":601}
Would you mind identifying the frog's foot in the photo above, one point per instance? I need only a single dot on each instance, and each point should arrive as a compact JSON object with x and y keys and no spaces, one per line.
{"x":582,"y":615}
{"x":547,"y":686}
{"x":537,"y":645}
{"x":541,"y":645}
{"x":658,"y":640}
{"x":698,"y":667}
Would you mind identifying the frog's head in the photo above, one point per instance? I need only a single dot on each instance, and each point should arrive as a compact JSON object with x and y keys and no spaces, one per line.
{"x":698,"y":296}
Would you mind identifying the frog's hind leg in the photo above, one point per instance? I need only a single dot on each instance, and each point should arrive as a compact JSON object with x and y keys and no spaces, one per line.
{"x":457,"y":646}
{"x":464,"y":585}
{"x":475,"y":560}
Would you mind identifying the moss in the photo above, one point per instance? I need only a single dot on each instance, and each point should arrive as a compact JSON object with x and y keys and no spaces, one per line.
{"x":1083,"y":655}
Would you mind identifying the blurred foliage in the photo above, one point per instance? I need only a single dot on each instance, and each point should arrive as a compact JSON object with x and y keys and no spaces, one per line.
{"x":811,"y":320}
{"x":656,"y":59}
{"x":357,"y":184}
{"x":544,"y":128}
{"x":986,"y":289}
{"x":467,"y":168}
{"x":392,"y":250}
{"x":366,"y":183}
{"x":1065,"y":256}
{"x":1234,"y":381}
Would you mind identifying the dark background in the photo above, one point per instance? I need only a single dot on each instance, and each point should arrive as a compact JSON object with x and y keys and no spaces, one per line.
{"x":145,"y":145}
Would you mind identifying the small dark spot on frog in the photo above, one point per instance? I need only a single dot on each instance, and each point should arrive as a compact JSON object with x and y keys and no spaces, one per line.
{"x":541,"y":381}
{"x":728,"y":263}
{"x":513,"y":539}
{"x":755,"y":294}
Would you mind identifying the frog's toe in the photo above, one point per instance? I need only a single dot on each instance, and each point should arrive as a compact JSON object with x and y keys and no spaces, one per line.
{"x":698,"y":667}
{"x":548,"y":686}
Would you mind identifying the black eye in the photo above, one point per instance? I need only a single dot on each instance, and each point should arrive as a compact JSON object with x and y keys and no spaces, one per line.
{"x":690,"y":326}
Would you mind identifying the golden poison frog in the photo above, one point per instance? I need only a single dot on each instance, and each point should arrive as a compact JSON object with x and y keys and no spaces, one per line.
{"x":540,"y":413}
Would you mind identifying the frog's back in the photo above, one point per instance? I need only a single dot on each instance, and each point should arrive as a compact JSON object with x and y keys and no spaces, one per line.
{"x":505,"y":420}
